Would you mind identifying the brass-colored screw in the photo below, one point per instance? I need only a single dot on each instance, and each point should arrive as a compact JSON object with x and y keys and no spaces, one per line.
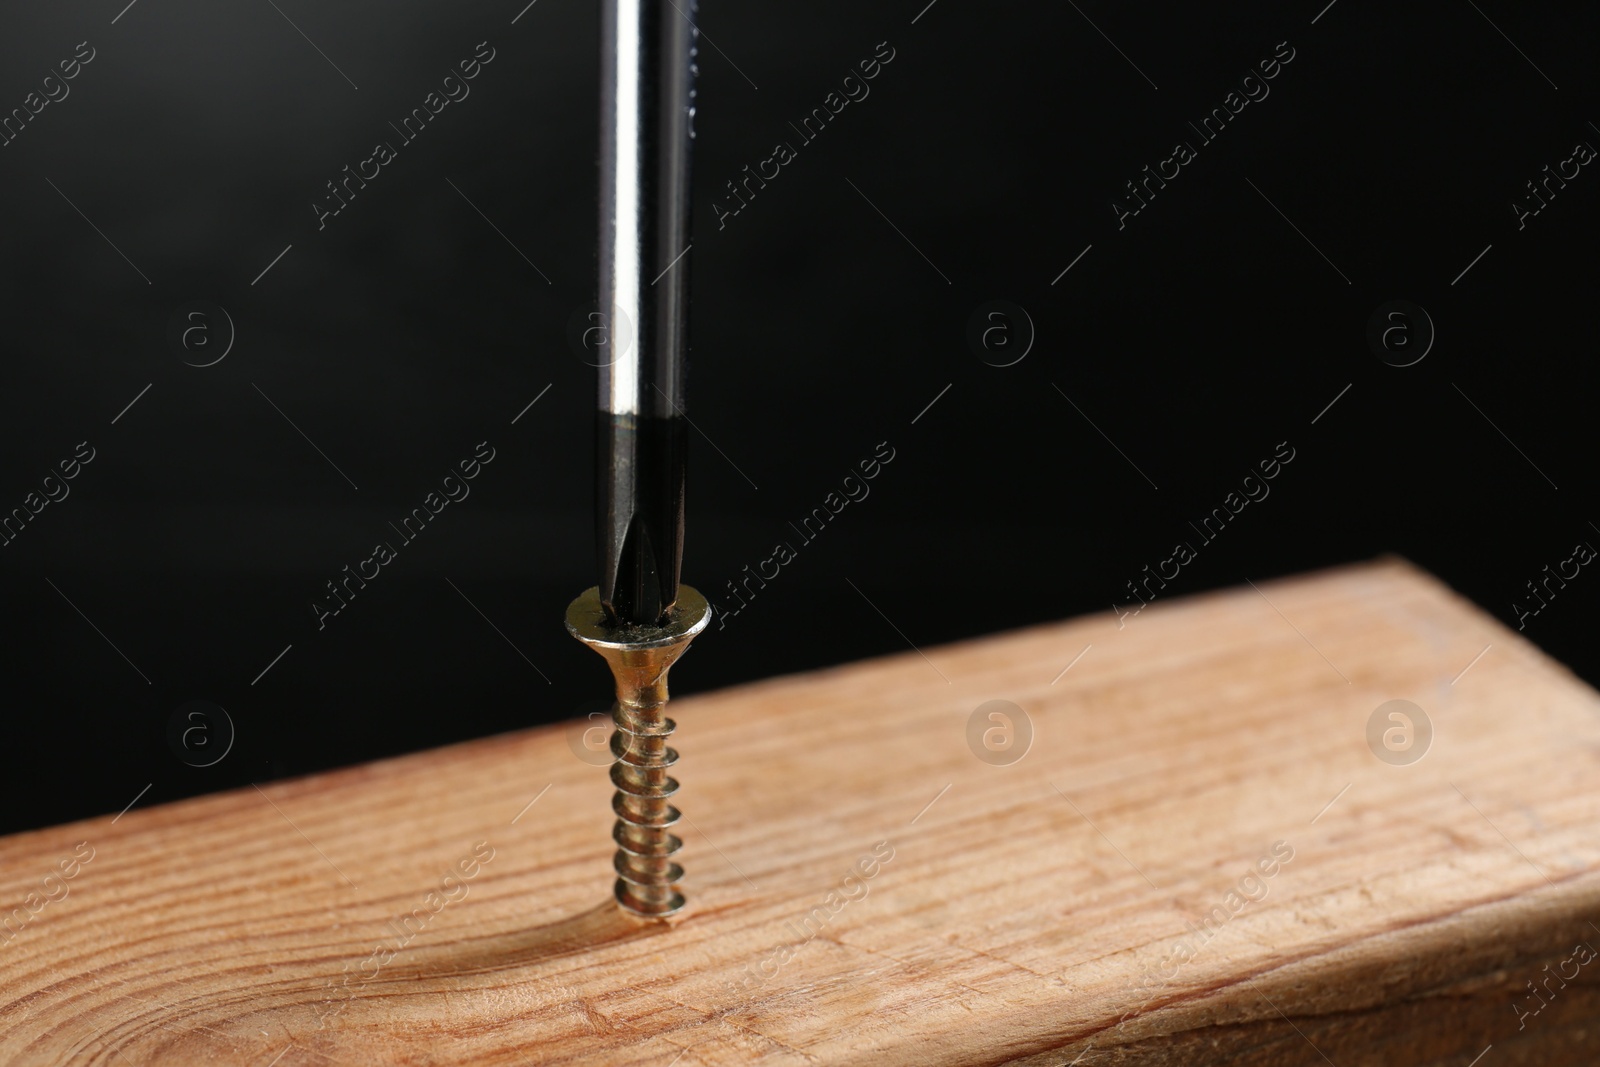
{"x":639,"y":658}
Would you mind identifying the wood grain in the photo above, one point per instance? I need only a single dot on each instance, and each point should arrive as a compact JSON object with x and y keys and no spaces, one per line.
{"x":1028,"y":914}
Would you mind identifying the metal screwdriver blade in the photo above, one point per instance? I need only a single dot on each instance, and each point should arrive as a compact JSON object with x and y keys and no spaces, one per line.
{"x":647,"y":128}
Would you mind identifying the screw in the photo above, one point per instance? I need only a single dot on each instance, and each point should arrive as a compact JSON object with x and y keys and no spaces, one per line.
{"x":639,"y":658}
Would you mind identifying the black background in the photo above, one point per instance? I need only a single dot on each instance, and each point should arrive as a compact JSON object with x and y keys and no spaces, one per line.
{"x":407,"y":330}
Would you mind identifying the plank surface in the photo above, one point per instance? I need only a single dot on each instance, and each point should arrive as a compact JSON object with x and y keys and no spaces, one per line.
{"x":864,"y":889}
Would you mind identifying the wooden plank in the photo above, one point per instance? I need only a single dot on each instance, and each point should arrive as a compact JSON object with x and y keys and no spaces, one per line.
{"x":1030,"y":913}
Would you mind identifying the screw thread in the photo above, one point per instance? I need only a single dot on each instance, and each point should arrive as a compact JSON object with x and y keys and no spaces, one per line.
{"x":647,"y":876}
